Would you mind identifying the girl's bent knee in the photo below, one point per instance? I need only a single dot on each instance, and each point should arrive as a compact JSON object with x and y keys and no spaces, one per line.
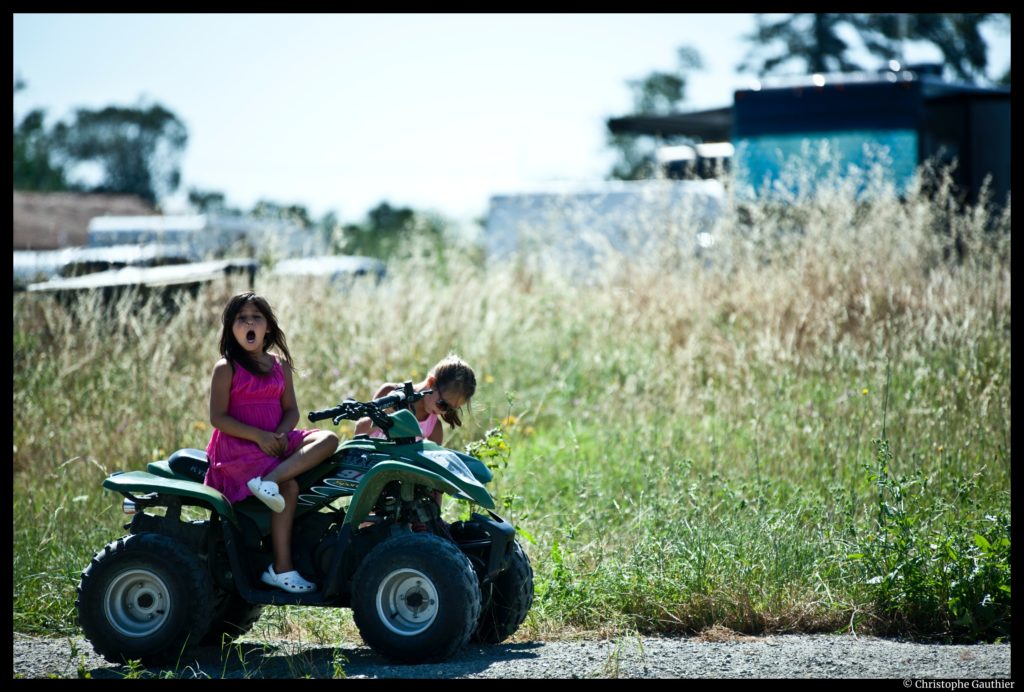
{"x":328,"y":443}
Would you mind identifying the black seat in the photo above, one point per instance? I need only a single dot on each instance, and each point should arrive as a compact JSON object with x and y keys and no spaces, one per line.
{"x":189,"y":462}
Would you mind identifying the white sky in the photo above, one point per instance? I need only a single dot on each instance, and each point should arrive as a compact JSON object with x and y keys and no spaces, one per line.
{"x":339,"y":112}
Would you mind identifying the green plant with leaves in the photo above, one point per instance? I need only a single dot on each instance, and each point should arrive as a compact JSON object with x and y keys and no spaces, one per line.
{"x":936,"y":577}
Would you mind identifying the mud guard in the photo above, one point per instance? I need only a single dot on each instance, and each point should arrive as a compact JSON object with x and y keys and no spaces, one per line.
{"x":140,"y":482}
{"x":386,"y":471}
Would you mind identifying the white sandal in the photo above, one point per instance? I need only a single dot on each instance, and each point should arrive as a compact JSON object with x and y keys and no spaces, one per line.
{"x":288,"y":581}
{"x":266,"y":492}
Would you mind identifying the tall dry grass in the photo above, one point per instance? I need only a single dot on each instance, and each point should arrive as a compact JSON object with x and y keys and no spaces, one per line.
{"x":803,"y":427}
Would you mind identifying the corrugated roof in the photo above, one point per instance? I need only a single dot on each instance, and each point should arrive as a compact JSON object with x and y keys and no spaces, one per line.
{"x":710,"y":126}
{"x":150,"y":277}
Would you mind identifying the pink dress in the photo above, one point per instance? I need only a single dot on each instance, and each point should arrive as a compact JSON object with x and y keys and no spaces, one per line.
{"x":426,"y":427}
{"x":255,"y":400}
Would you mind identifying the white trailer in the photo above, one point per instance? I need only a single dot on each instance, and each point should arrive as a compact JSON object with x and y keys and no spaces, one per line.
{"x":579,"y":223}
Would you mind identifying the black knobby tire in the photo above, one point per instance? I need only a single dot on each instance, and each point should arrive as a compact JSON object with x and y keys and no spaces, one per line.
{"x":144,"y":596}
{"x":415,"y":598}
{"x":511,"y":598}
{"x":232,"y":617}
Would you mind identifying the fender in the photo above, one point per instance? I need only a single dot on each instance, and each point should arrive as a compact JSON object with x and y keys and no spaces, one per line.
{"x":133,"y":483}
{"x":381,"y":474}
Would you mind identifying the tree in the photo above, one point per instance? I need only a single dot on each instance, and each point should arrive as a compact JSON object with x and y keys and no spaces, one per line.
{"x":957,"y":36}
{"x":387,"y":229}
{"x":814,"y":40}
{"x":36,"y":163}
{"x":659,"y":93}
{"x":295,"y":214}
{"x":137,"y":149}
{"x":207,"y":201}
{"x":1005,"y":79}
{"x":809,"y":38}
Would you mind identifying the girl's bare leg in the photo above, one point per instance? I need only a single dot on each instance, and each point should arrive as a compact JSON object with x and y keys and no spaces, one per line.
{"x":281,"y":527}
{"x":315,"y":448}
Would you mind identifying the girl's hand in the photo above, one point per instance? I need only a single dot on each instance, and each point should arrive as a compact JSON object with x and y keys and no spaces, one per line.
{"x":272,"y":444}
{"x":282,"y":443}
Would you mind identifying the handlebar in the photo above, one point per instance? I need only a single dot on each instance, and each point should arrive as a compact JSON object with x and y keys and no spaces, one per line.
{"x":375,"y":410}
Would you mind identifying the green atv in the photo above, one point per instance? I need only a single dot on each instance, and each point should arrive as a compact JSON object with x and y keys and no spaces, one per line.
{"x":419,"y":588}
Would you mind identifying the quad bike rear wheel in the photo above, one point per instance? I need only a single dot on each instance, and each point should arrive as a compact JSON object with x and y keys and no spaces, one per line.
{"x":144,"y":596}
{"x":415,"y":598}
{"x":511,"y":595}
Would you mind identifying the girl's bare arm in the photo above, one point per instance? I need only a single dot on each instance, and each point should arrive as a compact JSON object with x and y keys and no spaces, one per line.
{"x":364,"y":425}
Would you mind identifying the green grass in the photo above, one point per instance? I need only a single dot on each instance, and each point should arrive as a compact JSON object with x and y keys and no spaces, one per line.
{"x":808,"y":432}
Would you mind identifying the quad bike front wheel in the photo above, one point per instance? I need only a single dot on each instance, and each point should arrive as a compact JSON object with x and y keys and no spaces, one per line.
{"x":511,"y":595}
{"x":415,"y":598}
{"x":144,"y":596}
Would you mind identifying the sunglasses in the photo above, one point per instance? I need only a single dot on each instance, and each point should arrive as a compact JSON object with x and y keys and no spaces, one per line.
{"x":444,"y":405}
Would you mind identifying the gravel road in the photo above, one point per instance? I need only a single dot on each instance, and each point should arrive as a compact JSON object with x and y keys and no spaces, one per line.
{"x":722,"y":656}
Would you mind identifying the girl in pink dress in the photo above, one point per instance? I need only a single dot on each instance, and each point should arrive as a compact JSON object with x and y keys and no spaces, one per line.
{"x":254,"y":449}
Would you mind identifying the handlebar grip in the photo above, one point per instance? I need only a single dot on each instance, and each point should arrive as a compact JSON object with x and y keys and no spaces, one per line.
{"x":322,"y":414}
{"x":354,"y":410}
{"x":390,"y":401}
{"x":399,"y":398}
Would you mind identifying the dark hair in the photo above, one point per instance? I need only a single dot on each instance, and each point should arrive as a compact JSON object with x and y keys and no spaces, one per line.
{"x":229,"y":346}
{"x":452,"y":373}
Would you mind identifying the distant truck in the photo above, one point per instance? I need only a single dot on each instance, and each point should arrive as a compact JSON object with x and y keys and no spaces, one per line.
{"x":201,"y":233}
{"x":915,"y":114}
{"x":574,"y":224}
{"x":208,"y":235}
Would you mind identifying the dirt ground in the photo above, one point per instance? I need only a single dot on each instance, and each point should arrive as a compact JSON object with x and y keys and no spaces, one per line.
{"x":719,"y":654}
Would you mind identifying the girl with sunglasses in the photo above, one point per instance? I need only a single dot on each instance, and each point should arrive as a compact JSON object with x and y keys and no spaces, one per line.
{"x":453,"y":383}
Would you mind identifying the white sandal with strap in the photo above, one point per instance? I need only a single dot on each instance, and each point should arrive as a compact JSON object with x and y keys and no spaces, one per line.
{"x":288,"y":581}
{"x":266,"y":492}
